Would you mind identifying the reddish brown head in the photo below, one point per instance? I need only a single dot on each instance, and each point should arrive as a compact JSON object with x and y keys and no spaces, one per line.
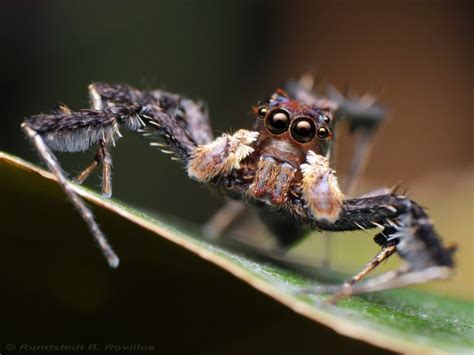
{"x":289,"y":129}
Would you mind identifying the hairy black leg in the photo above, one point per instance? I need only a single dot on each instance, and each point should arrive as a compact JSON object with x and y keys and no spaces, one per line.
{"x":74,"y":131}
{"x":405,"y":225}
{"x":113,"y":107}
{"x":84,"y":211}
{"x":190,"y":116}
{"x":146,"y":112}
{"x":176,"y":139}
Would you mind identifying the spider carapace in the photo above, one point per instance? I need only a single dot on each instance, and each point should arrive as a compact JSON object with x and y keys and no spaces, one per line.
{"x":281,"y":166}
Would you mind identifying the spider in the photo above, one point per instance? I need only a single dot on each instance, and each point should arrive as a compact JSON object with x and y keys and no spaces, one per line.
{"x":281,"y":166}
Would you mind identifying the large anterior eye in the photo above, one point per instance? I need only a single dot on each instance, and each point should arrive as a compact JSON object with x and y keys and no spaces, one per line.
{"x":303,"y":129}
{"x":277,"y":121}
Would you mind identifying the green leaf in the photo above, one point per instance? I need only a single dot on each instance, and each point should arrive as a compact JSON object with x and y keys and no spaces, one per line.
{"x":400,"y":320}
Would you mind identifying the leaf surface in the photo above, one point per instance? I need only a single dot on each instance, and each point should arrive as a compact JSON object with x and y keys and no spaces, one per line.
{"x":401,"y":320}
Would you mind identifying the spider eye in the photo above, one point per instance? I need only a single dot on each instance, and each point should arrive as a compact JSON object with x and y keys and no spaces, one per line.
{"x":303,"y":129}
{"x":323,"y":133}
{"x":262,"y":111}
{"x":278,"y":121}
{"x":324,"y":118}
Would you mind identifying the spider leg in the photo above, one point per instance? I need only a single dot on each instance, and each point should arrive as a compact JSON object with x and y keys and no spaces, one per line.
{"x":192,"y":117}
{"x":78,"y":203}
{"x":362,"y":149}
{"x":83,"y":175}
{"x":223,"y":219}
{"x":113,"y":107}
{"x":220,"y":157}
{"x":184,"y":125}
{"x":102,"y":156}
{"x":405,"y":226}
{"x":364,"y":116}
{"x":382,"y":255}
{"x":106,"y":185}
{"x":402,"y":277}
{"x":303,"y":90}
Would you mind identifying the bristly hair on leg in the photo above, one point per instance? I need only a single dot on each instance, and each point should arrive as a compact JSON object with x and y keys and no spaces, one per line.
{"x":78,"y":203}
{"x":114,"y":107}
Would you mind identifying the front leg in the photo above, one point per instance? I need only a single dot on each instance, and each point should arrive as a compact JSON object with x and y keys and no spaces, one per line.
{"x":320,"y":189}
{"x":221,"y":156}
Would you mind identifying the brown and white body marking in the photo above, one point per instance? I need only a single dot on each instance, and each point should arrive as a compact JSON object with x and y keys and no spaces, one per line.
{"x":284,"y":155}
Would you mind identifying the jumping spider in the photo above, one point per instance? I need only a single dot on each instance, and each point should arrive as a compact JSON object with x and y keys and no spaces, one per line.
{"x":281,"y":166}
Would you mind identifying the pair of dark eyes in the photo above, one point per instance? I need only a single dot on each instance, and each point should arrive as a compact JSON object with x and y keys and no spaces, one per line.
{"x":302,"y":129}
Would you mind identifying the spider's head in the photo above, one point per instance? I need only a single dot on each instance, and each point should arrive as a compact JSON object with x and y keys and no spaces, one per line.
{"x":289,"y":129}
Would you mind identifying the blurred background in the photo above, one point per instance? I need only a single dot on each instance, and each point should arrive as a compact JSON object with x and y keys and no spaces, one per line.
{"x":415,"y":56}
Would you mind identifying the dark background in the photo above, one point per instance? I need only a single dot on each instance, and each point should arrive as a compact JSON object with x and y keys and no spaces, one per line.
{"x":416,"y":56}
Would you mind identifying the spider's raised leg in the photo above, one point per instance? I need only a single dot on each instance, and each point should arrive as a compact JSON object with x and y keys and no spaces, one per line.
{"x":193,"y":117}
{"x":37,"y":129}
{"x":364,"y":116}
{"x":181,"y":123}
{"x":114,"y":106}
{"x":188,"y":115}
